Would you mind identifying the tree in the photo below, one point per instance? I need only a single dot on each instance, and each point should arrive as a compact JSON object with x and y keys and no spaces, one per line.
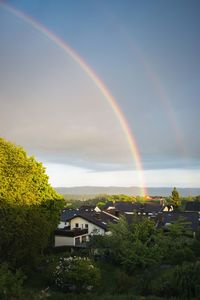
{"x":197,"y":198}
{"x":22,"y":179}
{"x":175,"y":198}
{"x":29,"y":207}
{"x":132,"y":246}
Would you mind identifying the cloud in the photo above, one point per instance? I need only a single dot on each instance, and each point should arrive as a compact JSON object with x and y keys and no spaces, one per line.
{"x":62,"y":175}
{"x":51,"y":107}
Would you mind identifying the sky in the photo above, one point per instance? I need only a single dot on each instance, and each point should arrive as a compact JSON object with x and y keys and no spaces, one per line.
{"x":146,"y":53}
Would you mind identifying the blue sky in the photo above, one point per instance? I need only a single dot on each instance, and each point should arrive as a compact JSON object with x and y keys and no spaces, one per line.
{"x":147,"y":54}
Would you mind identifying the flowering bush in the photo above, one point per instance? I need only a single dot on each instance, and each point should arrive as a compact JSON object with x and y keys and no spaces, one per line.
{"x":76,"y":274}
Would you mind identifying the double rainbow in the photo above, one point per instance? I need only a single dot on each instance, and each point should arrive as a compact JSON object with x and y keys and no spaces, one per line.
{"x":97,"y":81}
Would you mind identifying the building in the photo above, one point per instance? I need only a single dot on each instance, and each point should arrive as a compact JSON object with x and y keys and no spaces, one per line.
{"x":190,"y":220}
{"x":77,"y":226}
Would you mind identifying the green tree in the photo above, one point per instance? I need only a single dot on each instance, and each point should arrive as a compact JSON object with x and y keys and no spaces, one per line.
{"x":22,"y":179}
{"x":176,"y":243}
{"x":197,"y":198}
{"x":29,"y":207}
{"x":26,"y":232}
{"x":175,"y":198}
{"x":132,"y":246}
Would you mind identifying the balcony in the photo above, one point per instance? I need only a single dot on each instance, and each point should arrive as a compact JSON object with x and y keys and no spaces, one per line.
{"x":71,"y":233}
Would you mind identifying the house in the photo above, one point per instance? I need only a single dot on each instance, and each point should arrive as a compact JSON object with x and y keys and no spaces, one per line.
{"x":151,"y":209}
{"x":190,"y":220}
{"x":121,"y":208}
{"x":131,"y":218}
{"x":72,"y":238}
{"x":66,"y":214}
{"x":168,"y":208}
{"x":77,"y":226}
{"x":193,"y":206}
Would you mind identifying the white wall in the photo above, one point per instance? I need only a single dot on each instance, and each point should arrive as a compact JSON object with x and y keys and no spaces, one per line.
{"x":64,"y":241}
{"x":67,"y":241}
{"x":92,"y":228}
{"x":63,"y":224}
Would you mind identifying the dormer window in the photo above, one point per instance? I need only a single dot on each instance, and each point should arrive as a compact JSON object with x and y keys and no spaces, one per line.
{"x":76,"y":225}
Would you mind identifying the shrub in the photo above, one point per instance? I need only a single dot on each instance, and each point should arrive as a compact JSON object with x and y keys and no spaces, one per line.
{"x":10,"y":283}
{"x":124,"y":283}
{"x":75,"y":274}
{"x":182,"y":282}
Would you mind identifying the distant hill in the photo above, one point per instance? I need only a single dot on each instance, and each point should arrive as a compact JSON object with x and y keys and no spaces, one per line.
{"x":115,"y":190}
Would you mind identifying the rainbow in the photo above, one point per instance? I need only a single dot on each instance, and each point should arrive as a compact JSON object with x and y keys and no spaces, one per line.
{"x":161,"y":92}
{"x":97,"y":81}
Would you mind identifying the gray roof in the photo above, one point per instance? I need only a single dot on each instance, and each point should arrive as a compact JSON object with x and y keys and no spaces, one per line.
{"x":148,"y":207}
{"x":108,"y":204}
{"x":100,"y":219}
{"x":152,"y":207}
{"x":124,"y":206}
{"x":191,"y":219}
{"x":192,"y":206}
{"x":67,"y":213}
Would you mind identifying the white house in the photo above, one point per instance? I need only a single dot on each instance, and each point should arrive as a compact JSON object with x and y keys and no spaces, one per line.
{"x":77,"y":226}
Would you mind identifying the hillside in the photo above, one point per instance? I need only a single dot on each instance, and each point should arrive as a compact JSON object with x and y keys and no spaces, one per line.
{"x":111,"y":190}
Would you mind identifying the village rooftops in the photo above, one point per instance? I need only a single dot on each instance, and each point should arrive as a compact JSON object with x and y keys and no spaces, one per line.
{"x":192,"y":206}
{"x":131,"y":207}
{"x":87,"y":208}
{"x":122,"y":206}
{"x":191,"y":219}
{"x":152,"y":208}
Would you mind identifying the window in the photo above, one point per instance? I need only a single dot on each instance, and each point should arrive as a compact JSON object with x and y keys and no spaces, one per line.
{"x":76,"y":225}
{"x":86,"y":226}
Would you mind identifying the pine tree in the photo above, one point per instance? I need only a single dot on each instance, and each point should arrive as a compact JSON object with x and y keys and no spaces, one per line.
{"x":175,"y":198}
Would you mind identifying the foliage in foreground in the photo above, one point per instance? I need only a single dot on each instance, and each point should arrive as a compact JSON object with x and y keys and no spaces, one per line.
{"x":22,"y":179}
{"x":25,"y":232}
{"x":10,"y":283}
{"x":182,"y":281}
{"x":29,"y":208}
{"x":141,"y":245}
{"x":73,"y":273}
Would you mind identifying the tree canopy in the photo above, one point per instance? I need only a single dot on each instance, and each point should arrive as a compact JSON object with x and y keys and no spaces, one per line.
{"x":22,"y":179}
{"x":29,"y":207}
{"x":175,"y":198}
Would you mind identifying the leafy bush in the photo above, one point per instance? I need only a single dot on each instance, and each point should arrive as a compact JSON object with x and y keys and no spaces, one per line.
{"x":123,"y":282}
{"x":10,"y":283}
{"x":75,"y":274}
{"x":182,"y":282}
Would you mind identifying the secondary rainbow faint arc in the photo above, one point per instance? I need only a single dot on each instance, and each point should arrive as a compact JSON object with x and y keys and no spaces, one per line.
{"x":94,"y":77}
